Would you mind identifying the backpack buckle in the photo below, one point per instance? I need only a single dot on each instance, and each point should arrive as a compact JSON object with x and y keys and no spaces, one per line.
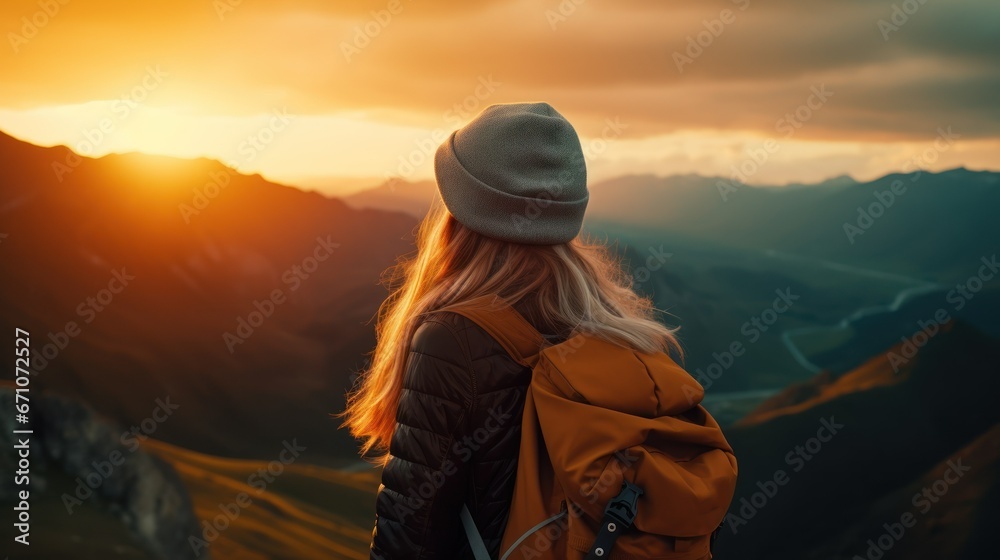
{"x":618,"y":517}
{"x":624,"y":507}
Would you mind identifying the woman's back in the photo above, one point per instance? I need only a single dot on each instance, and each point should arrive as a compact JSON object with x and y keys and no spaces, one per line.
{"x":456,"y":442}
{"x":442,"y":397}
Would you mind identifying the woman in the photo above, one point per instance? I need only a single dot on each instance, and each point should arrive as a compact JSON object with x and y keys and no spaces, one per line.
{"x":442,"y":397}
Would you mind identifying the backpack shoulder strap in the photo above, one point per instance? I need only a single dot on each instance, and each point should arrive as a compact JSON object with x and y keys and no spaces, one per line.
{"x":495,"y":316}
{"x":476,"y":542}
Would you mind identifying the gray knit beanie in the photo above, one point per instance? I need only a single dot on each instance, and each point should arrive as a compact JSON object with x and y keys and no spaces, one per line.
{"x":515,"y":173}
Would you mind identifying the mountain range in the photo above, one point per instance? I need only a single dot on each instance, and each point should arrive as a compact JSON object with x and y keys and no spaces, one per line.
{"x":930,"y":225}
{"x":250,"y":305}
{"x":252,"y":314}
{"x":860,"y":450}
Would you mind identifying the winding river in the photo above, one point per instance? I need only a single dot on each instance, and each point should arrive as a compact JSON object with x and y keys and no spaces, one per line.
{"x":912,"y":287}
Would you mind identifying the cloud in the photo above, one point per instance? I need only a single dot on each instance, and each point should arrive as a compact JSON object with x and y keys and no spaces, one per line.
{"x":595,"y":59}
{"x":897,"y":69}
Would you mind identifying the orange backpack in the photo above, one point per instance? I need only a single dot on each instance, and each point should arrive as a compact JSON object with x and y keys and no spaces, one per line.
{"x":618,"y":460}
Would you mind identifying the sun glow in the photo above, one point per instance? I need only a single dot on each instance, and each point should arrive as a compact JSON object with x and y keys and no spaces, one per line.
{"x":267,"y":88}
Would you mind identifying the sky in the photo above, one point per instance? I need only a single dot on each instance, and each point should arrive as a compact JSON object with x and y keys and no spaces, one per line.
{"x":339,"y":96}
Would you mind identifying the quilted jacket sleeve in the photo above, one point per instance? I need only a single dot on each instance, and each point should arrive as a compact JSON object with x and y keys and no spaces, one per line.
{"x":426,"y":478}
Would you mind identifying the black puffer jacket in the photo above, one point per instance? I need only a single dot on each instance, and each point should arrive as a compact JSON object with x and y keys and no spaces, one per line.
{"x":456,"y":442}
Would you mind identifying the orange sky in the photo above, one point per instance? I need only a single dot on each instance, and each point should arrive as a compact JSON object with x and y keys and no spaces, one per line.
{"x":340,"y":95}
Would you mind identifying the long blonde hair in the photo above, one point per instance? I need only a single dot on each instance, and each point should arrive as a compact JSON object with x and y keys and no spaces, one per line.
{"x":579,"y":285}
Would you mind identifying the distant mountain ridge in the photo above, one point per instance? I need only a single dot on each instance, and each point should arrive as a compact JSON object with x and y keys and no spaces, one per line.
{"x":860,"y":223}
{"x":292,"y":278}
{"x":253,"y":312}
{"x":397,"y":195}
{"x":856,"y":448}
{"x":838,"y":219}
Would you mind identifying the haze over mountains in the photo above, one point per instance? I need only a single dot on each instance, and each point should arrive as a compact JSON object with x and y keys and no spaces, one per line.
{"x":713,"y":256}
{"x":250,"y":305}
{"x":859,"y":451}
{"x":186,"y":286}
{"x":931,"y":226}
